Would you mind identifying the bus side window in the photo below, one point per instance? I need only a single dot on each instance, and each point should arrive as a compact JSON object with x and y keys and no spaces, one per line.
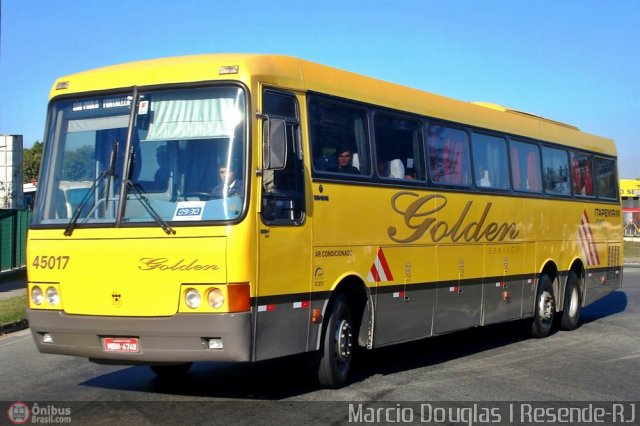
{"x":399,"y":148}
{"x":283,"y":189}
{"x":525,"y":167}
{"x":490,"y":161}
{"x":336,"y":126}
{"x":606,"y":179}
{"x":555,"y":168}
{"x":582,"y":174}
{"x":449,"y":156}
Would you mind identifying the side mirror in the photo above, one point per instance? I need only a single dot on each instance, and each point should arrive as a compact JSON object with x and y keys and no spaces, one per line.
{"x":274,"y":144}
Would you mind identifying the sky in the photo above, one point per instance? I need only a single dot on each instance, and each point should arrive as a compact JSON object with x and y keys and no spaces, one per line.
{"x":575,"y":61}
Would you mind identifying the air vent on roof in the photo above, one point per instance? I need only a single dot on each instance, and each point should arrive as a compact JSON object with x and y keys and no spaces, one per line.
{"x":527,"y":114}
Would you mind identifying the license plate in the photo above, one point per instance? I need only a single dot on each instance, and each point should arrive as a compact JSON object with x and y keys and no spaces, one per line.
{"x":121,"y":344}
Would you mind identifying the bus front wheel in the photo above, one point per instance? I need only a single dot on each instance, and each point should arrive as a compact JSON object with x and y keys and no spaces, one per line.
{"x":545,"y":308}
{"x":333,"y":361}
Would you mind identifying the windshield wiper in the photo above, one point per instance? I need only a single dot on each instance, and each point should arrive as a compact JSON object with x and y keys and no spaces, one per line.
{"x":112,"y":169}
{"x":139,"y":193}
{"x":76,"y":214}
{"x":96,"y":183}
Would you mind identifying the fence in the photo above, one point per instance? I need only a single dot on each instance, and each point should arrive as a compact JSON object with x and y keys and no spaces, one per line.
{"x":13,"y":238}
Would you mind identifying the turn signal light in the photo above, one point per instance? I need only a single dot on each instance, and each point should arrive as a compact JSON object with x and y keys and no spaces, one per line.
{"x":238,"y":297}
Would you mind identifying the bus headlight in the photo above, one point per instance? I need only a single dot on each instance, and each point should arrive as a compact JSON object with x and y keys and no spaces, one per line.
{"x":52,"y":296}
{"x":36,"y":295}
{"x":215,"y":297}
{"x":192,"y":298}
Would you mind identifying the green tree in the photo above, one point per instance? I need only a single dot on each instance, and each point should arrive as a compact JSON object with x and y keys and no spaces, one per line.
{"x":31,"y":162}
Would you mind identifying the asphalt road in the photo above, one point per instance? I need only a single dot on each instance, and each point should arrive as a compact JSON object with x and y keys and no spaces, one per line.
{"x":600,"y":361}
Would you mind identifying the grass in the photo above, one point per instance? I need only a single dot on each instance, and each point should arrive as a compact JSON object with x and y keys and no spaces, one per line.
{"x":13,"y":309}
{"x":631,"y":249}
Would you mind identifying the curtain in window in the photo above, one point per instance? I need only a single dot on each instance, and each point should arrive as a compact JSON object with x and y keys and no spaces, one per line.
{"x":360,"y":156}
{"x":435,"y":159}
{"x":452,"y":154}
{"x":534,"y":183}
{"x":515,"y":169}
{"x":582,"y":176}
{"x":188,"y":118}
{"x":588,"y":178}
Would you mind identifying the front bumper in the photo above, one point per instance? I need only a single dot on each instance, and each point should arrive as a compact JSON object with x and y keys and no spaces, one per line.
{"x":179,"y":338}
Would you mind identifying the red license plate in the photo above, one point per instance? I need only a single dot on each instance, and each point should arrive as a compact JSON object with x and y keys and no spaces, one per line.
{"x":121,"y":344}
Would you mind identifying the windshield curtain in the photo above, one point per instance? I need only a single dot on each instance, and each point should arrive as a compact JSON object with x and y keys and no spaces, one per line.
{"x":187,"y":159}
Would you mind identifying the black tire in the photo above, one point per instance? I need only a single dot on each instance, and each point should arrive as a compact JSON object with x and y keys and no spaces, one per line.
{"x":570,"y":318}
{"x":545,"y":308}
{"x":170,"y":371}
{"x":333,"y":362}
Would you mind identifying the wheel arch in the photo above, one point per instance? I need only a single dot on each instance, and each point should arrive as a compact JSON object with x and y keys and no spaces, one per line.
{"x":360,"y":301}
{"x":551,"y":269}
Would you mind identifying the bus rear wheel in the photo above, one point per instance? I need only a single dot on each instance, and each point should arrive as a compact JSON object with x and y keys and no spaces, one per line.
{"x":545,"y":308}
{"x":572,"y":303}
{"x":333,"y":362}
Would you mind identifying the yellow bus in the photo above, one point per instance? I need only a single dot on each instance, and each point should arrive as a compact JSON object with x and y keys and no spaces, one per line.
{"x":248,"y":207}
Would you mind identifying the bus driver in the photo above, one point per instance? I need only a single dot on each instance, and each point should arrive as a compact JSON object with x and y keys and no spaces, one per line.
{"x":228,"y":186}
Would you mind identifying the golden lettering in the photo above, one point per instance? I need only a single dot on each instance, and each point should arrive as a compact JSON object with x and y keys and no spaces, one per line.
{"x":420,"y":218}
{"x":163,"y":264}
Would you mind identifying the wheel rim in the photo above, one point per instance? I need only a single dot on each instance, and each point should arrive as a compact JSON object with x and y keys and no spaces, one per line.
{"x":343,"y":336}
{"x":573,"y":304}
{"x":545,"y":306}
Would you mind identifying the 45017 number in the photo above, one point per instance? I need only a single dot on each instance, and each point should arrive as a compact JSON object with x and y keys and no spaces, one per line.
{"x":50,"y":262}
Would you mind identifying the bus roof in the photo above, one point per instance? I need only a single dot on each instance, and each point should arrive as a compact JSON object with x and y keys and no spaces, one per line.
{"x":298,"y":74}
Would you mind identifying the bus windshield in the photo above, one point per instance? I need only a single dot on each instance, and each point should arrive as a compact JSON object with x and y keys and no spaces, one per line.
{"x":183,"y":159}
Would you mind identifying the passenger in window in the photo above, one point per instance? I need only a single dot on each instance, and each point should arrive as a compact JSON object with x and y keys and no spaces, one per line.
{"x":228,"y":186}
{"x":382,"y":168}
{"x":345,"y":160}
{"x":410,"y":173}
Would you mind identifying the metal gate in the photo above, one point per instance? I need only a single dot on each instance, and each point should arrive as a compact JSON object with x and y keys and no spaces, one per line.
{"x":13,"y":238}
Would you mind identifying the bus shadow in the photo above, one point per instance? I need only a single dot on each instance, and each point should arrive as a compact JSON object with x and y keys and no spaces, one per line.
{"x":439,"y":349}
{"x":286,"y":377}
{"x":611,"y":304}
{"x":266,"y":380}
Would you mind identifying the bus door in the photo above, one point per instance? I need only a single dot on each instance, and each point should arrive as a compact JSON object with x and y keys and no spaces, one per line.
{"x":284,"y":240}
